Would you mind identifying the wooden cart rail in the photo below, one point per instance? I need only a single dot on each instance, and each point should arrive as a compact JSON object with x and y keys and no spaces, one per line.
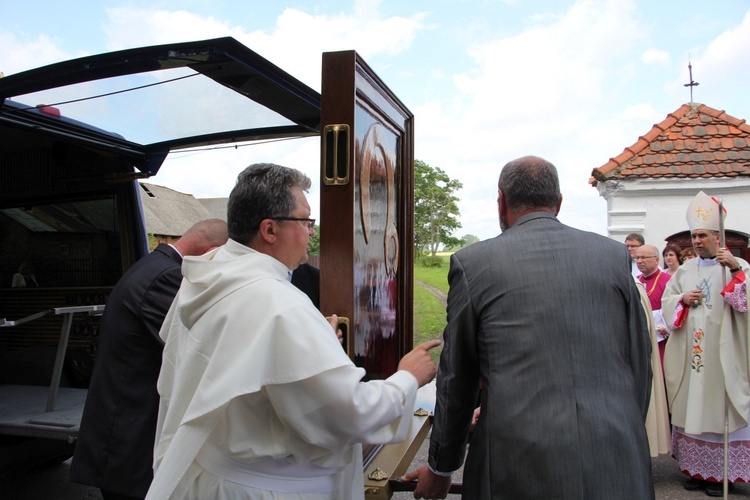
{"x":382,"y":474}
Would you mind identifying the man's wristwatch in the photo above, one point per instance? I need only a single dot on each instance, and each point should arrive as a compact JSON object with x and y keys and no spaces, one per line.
{"x":738,"y":268}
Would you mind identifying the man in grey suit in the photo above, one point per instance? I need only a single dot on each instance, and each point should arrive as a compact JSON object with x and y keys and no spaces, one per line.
{"x":548,"y":321}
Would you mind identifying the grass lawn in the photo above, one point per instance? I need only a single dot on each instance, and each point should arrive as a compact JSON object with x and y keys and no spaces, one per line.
{"x":429,"y":312}
{"x":434,"y":276}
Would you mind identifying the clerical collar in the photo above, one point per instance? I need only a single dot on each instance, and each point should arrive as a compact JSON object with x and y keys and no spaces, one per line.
{"x":656,"y":273}
{"x":711,"y":261}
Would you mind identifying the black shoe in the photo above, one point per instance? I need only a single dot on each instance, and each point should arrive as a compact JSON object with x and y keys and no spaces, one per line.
{"x":717,"y":489}
{"x":693,"y":484}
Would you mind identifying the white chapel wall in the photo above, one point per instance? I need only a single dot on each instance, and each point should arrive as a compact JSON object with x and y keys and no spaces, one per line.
{"x":656,"y":208}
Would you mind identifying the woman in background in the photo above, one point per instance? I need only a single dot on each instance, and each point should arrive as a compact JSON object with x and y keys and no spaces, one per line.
{"x":672,"y":260}
{"x":687,"y":254}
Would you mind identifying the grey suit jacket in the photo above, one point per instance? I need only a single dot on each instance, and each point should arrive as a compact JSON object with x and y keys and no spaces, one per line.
{"x":547,"y":319}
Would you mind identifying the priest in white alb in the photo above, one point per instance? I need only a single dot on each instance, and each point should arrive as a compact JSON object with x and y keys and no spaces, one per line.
{"x":258,"y":399}
{"x":706,"y":358}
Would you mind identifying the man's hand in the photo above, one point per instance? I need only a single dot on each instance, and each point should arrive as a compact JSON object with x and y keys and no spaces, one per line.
{"x":475,"y":417}
{"x":692,"y":298}
{"x":334,"y":322}
{"x":429,"y":484}
{"x":419,"y":363}
{"x":726,"y":259}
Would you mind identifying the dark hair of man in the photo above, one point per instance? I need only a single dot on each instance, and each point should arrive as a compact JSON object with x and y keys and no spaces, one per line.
{"x":635,"y":237}
{"x":529,"y":183}
{"x":263,"y":191}
{"x":674,"y":249}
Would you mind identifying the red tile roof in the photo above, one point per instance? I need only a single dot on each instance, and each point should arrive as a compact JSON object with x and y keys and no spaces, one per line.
{"x":694,"y":141}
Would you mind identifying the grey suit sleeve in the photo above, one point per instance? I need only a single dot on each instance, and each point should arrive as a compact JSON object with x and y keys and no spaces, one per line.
{"x":458,"y":376}
{"x":640,"y":348}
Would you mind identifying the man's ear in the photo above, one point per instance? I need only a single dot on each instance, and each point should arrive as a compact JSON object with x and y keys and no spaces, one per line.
{"x":559,"y":204}
{"x":502,"y":207}
{"x":267,"y":231}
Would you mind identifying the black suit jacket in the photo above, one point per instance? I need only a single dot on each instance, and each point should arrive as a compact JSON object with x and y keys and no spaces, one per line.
{"x":116,"y":440}
{"x":549,"y":320}
{"x":307,"y":278}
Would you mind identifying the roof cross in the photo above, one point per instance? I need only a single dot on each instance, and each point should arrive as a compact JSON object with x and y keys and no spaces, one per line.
{"x":692,"y":83}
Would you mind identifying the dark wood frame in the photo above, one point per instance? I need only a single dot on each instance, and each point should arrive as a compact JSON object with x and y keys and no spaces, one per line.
{"x":348,"y":82}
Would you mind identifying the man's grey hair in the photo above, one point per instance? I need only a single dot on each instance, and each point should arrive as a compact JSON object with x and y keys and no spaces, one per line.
{"x":263,"y":191}
{"x":528,"y":183}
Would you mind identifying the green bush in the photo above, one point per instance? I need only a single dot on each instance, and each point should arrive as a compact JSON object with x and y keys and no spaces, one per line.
{"x":431,"y":261}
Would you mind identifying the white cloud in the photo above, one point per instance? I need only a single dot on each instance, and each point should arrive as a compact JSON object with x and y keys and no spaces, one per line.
{"x":730,"y":49}
{"x":722,"y":69}
{"x":542,"y":91}
{"x":128,"y":27}
{"x":642,"y":111}
{"x":307,"y":34}
{"x":655,"y":56}
{"x":18,"y":55}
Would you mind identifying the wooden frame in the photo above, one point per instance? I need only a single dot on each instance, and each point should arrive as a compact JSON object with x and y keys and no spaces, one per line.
{"x":367,"y":206}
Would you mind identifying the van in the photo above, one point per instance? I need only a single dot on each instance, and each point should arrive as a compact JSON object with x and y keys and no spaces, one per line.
{"x":75,"y":137}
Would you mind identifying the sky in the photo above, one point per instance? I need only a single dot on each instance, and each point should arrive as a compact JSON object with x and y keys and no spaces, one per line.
{"x":488,"y":81}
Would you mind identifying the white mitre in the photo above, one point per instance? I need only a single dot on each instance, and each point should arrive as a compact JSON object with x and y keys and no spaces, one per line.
{"x":703,"y":213}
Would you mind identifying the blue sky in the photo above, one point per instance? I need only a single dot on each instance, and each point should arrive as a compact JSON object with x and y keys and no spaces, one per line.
{"x":487,"y":80}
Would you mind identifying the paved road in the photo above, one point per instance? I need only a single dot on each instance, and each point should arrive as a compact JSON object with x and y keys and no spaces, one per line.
{"x":52,"y":483}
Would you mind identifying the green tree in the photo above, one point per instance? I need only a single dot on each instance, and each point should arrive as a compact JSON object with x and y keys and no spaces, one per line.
{"x":313,"y":248}
{"x":435,"y":208}
{"x":470,"y":239}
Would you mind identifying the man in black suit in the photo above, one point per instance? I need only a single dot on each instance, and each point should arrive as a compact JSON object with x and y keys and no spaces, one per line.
{"x":548,"y":320}
{"x":115,"y":445}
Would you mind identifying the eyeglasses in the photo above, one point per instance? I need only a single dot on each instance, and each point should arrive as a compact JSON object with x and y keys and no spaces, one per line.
{"x":310,"y":223}
{"x":646,"y":257}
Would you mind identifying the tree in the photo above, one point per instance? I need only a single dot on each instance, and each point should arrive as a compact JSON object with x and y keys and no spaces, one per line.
{"x":435,"y":208}
{"x":470,"y":239}
{"x":313,"y":248}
